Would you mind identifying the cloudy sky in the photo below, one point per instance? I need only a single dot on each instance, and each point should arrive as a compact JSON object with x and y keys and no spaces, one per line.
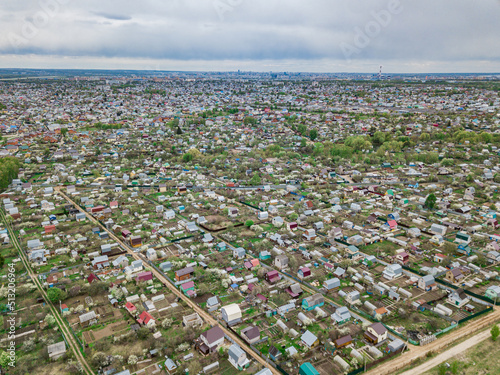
{"x":261,"y":35}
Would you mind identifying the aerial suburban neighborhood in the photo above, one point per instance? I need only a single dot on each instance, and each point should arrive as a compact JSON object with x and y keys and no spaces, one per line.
{"x":197,"y":223}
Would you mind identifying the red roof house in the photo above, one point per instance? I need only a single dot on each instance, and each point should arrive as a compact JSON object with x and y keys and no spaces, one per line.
{"x":146,"y":319}
{"x":144,"y":276}
{"x":49,"y":228}
{"x":130,"y":307}
{"x":272,"y":277}
{"x":91,"y":278}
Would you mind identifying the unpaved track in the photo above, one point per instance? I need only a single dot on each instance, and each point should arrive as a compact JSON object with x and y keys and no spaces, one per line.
{"x":417,"y":352}
{"x":208,"y":318}
{"x":450,"y":353}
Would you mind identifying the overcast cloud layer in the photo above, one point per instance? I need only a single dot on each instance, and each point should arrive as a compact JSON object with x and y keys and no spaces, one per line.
{"x":277,"y":35}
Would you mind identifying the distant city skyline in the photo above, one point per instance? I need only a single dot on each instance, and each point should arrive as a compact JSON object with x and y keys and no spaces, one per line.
{"x":450,"y":36}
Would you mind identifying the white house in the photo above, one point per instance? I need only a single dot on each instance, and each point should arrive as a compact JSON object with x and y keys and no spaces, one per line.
{"x":231,"y":314}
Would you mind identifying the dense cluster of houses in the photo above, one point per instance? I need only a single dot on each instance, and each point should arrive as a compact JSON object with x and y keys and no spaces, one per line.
{"x":311,"y":213}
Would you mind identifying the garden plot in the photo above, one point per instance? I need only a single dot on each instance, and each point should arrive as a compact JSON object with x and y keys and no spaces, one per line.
{"x":480,"y":287}
{"x":110,"y":330}
{"x":379,"y":248}
{"x":327,"y":366}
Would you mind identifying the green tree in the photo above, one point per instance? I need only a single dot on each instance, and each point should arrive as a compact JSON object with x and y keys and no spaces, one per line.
{"x":55,"y":294}
{"x":195,"y":152}
{"x":425,"y":137}
{"x":143,"y":333}
{"x":250,"y":120}
{"x":430,"y":201}
{"x":447,"y":162}
{"x":358,"y":142}
{"x":187,"y":157}
{"x":178,"y":131}
{"x":303,"y":142}
{"x":256,"y":180}
{"x":313,"y":134}
{"x":64,"y":132}
{"x":4,"y":360}
{"x":378,"y":138}
{"x":248,"y":223}
{"x":495,"y":331}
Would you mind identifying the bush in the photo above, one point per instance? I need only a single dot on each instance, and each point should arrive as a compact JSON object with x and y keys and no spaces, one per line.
{"x":143,"y":333}
{"x":55,"y":294}
{"x":100,"y":359}
{"x":132,"y":360}
{"x":495,"y":331}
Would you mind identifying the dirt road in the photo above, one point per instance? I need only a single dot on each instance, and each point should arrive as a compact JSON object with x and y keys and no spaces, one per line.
{"x":208,"y":318}
{"x":452,"y":352}
{"x":417,"y":352}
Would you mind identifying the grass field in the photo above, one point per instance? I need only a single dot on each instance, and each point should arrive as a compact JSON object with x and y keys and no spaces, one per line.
{"x":480,"y":360}
{"x":384,"y":246}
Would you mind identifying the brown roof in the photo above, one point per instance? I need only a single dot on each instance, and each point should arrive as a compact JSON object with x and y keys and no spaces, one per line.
{"x":251,"y":332}
{"x":456,"y":272}
{"x":184,"y":271}
{"x":213,"y":334}
{"x":379,"y":328}
{"x":381,"y":310}
{"x":343,"y":340}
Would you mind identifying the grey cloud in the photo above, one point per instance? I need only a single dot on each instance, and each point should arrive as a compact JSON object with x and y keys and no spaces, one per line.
{"x":281,"y":30}
{"x":116,"y":17}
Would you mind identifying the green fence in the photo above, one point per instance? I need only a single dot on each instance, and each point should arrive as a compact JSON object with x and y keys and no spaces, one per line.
{"x":249,"y":205}
{"x":487,"y":310}
{"x":472,"y":294}
{"x":446,"y":283}
{"x":447,"y":329}
{"x":342,"y":242}
{"x":357,"y":371}
{"x":367,"y":316}
{"x":182,"y":238}
{"x":413,"y":271}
